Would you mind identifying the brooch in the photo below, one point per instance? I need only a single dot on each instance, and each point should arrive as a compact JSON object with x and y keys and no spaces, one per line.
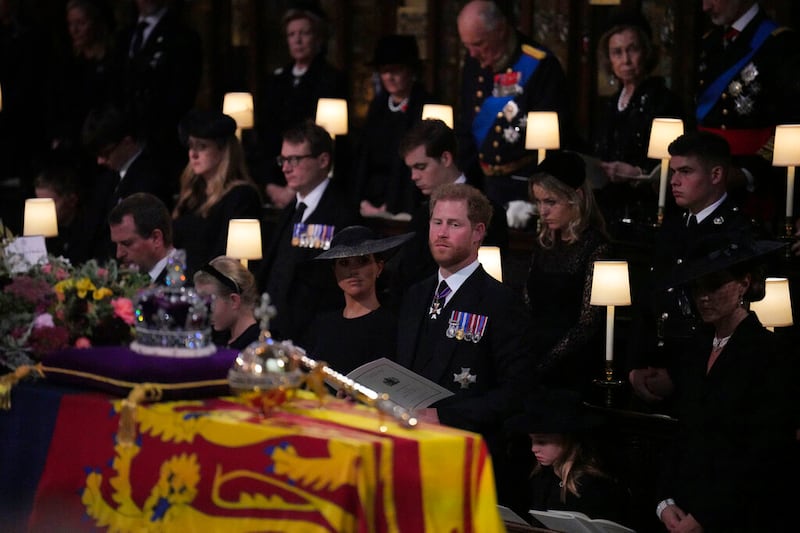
{"x":464,"y":378}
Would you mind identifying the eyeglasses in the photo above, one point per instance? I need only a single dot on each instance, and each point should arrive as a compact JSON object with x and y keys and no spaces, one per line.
{"x":293,"y":160}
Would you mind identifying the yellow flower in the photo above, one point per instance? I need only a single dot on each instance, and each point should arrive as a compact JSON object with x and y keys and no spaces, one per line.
{"x":102,"y":292}
{"x":63,"y":286}
{"x":84,"y":285}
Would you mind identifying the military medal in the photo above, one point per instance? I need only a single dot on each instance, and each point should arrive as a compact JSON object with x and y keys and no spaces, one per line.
{"x":453,"y":324}
{"x":297,"y":230}
{"x":480,"y":328}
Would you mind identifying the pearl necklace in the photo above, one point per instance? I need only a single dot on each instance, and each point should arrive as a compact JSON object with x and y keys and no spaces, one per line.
{"x":401,"y":106}
{"x":718,"y":344}
{"x":624,"y":99}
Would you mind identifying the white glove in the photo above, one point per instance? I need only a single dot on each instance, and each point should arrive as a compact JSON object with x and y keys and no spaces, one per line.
{"x":519,"y":213}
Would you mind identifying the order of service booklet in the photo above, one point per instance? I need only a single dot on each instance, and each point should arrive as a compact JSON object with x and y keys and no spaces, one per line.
{"x":403,"y":386}
{"x":575,"y":522}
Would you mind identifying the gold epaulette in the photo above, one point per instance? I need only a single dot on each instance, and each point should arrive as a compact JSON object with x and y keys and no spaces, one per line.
{"x":534,"y":52}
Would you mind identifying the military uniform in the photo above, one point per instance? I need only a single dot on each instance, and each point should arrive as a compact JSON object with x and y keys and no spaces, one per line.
{"x":667,"y":323}
{"x":759,"y":91}
{"x":492,"y":120}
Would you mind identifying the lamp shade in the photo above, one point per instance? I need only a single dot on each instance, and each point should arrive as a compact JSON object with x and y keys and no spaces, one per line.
{"x":239,"y":106}
{"x":244,"y":238}
{"x":787,"y":146}
{"x":438,"y":111}
{"x":40,"y":217}
{"x":662,"y":132}
{"x":542,"y":131}
{"x":610,"y":283}
{"x":489,"y":257}
{"x":332,"y":115}
{"x":775,"y":310}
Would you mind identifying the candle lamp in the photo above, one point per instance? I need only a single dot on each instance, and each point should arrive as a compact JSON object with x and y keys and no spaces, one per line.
{"x":610,"y":287}
{"x":787,"y":154}
{"x":542,"y":133}
{"x":439,"y":111}
{"x":244,"y":239}
{"x":489,"y":258}
{"x":40,"y":217}
{"x":662,"y":132}
{"x":239,"y":106}
{"x":332,"y":115}
{"x":775,"y":309}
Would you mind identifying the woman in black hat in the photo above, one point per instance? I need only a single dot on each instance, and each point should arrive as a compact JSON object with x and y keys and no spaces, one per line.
{"x":571,"y":237}
{"x":568,"y":474}
{"x":383,"y":182}
{"x":215,"y":187}
{"x":364,"y":330}
{"x":736,"y":401}
{"x":629,"y":55}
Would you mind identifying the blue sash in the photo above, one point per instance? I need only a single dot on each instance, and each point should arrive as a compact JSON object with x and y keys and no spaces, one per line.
{"x":713,"y":91}
{"x":483,"y":121}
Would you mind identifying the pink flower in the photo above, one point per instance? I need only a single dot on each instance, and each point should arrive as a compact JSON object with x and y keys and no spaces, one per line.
{"x":44,"y":320}
{"x":47,"y":268}
{"x":123,"y":308}
{"x":102,"y":273}
{"x":83,"y":342}
{"x":61,"y":274}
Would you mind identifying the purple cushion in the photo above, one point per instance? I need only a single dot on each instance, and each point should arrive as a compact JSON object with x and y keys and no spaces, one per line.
{"x":103,"y":364}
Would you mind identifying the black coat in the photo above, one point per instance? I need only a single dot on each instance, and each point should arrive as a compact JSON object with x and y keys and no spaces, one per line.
{"x":733,"y":466}
{"x":299,"y":288}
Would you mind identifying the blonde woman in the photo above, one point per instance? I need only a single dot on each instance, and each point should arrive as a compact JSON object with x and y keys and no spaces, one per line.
{"x":571,"y":237}
{"x":215,"y":187}
{"x":235,"y":295}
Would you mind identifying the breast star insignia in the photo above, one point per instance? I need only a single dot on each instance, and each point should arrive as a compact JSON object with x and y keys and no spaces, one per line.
{"x":464,"y":378}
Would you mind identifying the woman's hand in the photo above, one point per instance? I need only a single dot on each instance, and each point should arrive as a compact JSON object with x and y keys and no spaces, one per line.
{"x":369,"y":210}
{"x":620,"y":171}
{"x":671,"y":516}
{"x":650,"y":384}
{"x":688,"y":525}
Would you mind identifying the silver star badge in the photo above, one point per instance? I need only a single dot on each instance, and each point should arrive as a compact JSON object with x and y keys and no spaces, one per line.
{"x":464,"y":378}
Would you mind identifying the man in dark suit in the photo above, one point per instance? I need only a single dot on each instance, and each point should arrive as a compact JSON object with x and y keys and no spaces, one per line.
{"x":430,"y":150}
{"x":163,"y":65}
{"x":304,"y":229}
{"x":141,"y":229}
{"x":467,"y":332}
{"x":668,"y":323}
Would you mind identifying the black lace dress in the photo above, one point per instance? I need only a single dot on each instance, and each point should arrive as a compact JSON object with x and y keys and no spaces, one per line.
{"x":567,"y":329}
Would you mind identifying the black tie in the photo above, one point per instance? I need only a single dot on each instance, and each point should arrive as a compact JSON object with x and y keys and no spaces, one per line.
{"x":439,"y":299}
{"x":298,"y":213}
{"x":138,"y":37}
{"x":692,"y":222}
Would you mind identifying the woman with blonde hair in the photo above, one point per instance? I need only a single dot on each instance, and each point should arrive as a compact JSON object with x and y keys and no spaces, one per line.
{"x":571,"y":237}
{"x":215,"y":187}
{"x":235,"y":295}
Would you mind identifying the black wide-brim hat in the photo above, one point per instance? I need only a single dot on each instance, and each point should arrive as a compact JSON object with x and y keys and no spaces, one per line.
{"x":567,"y":167}
{"x":554,"y":411}
{"x":718,"y":253}
{"x":206,"y":124}
{"x":396,"y":50}
{"x":355,"y":241}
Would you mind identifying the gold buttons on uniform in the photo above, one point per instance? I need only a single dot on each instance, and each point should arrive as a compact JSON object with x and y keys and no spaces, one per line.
{"x":724,"y":96}
{"x":480,"y":79}
{"x":480,"y":156}
{"x":477,"y":109}
{"x":498,"y":158}
{"x":495,"y":144}
{"x":479,"y":94}
{"x":724,"y":111}
{"x":500,"y":114}
{"x":498,"y":129}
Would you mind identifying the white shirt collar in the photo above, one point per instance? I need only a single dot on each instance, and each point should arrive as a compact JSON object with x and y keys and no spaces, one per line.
{"x":461,"y":179}
{"x":160,"y":266}
{"x":313,"y":198}
{"x":742,"y":22}
{"x":457,"y":279}
{"x":124,"y":168}
{"x":710,"y":209}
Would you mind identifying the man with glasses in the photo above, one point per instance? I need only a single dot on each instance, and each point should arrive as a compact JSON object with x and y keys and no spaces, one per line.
{"x":304,"y":229}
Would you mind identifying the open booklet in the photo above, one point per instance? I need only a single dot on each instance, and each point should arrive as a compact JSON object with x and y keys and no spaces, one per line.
{"x":575,"y":522}
{"x":403,"y":386}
